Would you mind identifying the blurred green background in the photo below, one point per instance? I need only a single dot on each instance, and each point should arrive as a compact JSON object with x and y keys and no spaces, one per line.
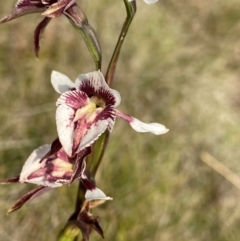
{"x":180,"y":66}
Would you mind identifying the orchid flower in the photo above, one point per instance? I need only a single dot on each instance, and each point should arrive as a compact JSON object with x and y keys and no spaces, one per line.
{"x":52,"y":9}
{"x":87,"y":108}
{"x":50,"y":170}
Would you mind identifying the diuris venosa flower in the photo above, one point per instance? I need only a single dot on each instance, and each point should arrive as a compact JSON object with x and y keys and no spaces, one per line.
{"x":87,"y":108}
{"x":51,"y":167}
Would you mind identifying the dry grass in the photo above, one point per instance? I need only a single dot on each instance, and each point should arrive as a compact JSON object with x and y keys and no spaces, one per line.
{"x":179,"y":66}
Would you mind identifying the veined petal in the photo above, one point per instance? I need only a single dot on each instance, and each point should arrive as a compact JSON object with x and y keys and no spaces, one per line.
{"x":52,"y":171}
{"x":91,"y":133}
{"x":96,"y":194}
{"x":139,"y":126}
{"x":56,"y":9}
{"x":33,"y":162}
{"x":90,"y":129}
{"x":28,"y":3}
{"x":65,"y":127}
{"x":94,"y":84}
{"x":75,"y":99}
{"x":61,"y":83}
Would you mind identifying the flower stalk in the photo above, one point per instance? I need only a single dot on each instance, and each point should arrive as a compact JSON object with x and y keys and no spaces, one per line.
{"x":131,"y":9}
{"x":79,"y":21}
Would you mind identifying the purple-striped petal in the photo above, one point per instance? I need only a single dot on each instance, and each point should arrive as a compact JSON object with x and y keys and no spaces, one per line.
{"x":52,"y":171}
{"x":88,"y":129}
{"x":61,"y":83}
{"x":94,"y":84}
{"x":58,"y":8}
{"x":33,"y":162}
{"x":80,"y":122}
{"x":65,"y":127}
{"x":29,"y":3}
{"x":74,"y":99}
{"x":139,"y":126}
{"x":86,"y":134}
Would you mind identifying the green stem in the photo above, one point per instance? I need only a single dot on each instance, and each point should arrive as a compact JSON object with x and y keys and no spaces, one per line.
{"x":79,"y":21}
{"x":131,"y":9}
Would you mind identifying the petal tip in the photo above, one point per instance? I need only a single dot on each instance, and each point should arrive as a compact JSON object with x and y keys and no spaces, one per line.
{"x":155,"y":128}
{"x":150,"y":1}
{"x":10,"y":210}
{"x":96,"y":194}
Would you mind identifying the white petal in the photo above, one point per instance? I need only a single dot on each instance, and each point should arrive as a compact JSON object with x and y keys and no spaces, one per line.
{"x":32,"y":164}
{"x":154,"y":128}
{"x":139,"y":126}
{"x":65,"y":127}
{"x":96,"y":78}
{"x":96,"y":194}
{"x":117,"y":96}
{"x":61,"y":82}
{"x":150,"y":1}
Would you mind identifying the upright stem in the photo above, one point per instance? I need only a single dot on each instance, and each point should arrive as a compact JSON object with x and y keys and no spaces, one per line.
{"x":131,"y":9}
{"x":79,"y":21}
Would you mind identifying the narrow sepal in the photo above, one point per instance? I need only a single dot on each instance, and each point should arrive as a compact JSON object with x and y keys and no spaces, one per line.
{"x":27,"y":197}
{"x":11,"y":180}
{"x":18,"y":12}
{"x":38,"y":34}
